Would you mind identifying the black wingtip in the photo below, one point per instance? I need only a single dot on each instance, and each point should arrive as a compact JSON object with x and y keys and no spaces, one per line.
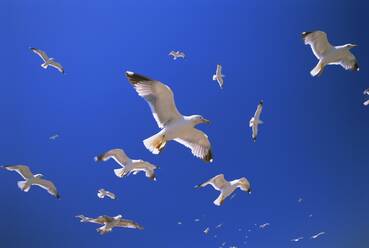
{"x":356,"y":67}
{"x":134,"y":78}
{"x":261,"y":102}
{"x":99,"y":158}
{"x":208,"y":157}
{"x":57,"y":196}
{"x":304,"y":34}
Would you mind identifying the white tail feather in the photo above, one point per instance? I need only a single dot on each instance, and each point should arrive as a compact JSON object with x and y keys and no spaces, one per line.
{"x":214,"y":77}
{"x":317,"y":70}
{"x":23,"y":186}
{"x":119,"y":172}
{"x":155,"y":143}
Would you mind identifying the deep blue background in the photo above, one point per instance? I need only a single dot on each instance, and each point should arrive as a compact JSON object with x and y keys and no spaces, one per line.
{"x":314,"y":143}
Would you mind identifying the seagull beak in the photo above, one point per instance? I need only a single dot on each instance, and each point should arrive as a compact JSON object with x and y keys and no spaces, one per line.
{"x":205,"y":121}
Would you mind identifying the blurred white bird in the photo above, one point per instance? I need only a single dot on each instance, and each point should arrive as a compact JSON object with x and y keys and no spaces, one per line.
{"x":317,"y":235}
{"x":31,"y":179}
{"x":177,"y":54}
{"x":262,"y":226}
{"x":300,"y":200}
{"x":54,"y":137}
{"x":226,"y":188}
{"x":328,"y":54}
{"x":110,"y":222}
{"x":173,"y":125}
{"x":218,"y":76}
{"x":102,"y":193}
{"x":297,"y":239}
{"x":366,"y":92}
{"x":129,"y":165}
{"x":219,"y":225}
{"x":206,"y":231}
{"x":255,"y":120}
{"x":47,"y":61}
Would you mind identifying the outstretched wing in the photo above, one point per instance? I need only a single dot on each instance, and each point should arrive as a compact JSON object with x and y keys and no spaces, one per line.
{"x":349,"y":62}
{"x":129,"y":224}
{"x":48,"y":185}
{"x":40,"y":53}
{"x":258,"y":110}
{"x":159,"y":97}
{"x":318,"y":42}
{"x":218,"y":182}
{"x":57,"y":65}
{"x":117,"y":154}
{"x":22,"y":170}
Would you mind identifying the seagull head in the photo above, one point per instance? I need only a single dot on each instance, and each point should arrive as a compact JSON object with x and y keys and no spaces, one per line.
{"x":118,"y":217}
{"x":39,"y":175}
{"x":349,"y":46}
{"x":198,"y":119}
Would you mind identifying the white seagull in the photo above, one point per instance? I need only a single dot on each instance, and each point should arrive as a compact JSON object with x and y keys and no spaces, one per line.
{"x":317,"y":235}
{"x":206,"y":231}
{"x":129,"y":165}
{"x":47,"y":61}
{"x":110,"y":222}
{"x":366,"y":92}
{"x":328,"y":54}
{"x":297,"y":239}
{"x":54,"y":137}
{"x":262,"y":226}
{"x":226,"y":188}
{"x":31,"y":179}
{"x":102,"y":193}
{"x":218,"y":76}
{"x":255,"y":120}
{"x":177,"y":54}
{"x":174,"y":126}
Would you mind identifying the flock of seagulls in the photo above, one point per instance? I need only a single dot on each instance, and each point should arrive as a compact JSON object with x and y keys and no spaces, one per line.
{"x":173,"y":126}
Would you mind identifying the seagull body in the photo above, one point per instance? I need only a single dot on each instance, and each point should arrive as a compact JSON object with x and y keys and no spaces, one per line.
{"x":47,"y":61}
{"x":174,"y":126}
{"x":328,"y":54}
{"x":110,"y":222}
{"x":255,"y":120}
{"x":102,"y":193}
{"x":366,"y":92}
{"x":54,"y":137}
{"x":225,"y":187}
{"x":218,"y":76}
{"x":177,"y":54}
{"x":219,"y":225}
{"x":317,"y":235}
{"x":264,"y":225}
{"x":129,"y":165}
{"x":206,"y":231}
{"x":31,"y":179}
{"x":297,"y":239}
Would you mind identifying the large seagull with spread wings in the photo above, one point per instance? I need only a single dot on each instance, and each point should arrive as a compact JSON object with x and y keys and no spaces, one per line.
{"x":173,"y":125}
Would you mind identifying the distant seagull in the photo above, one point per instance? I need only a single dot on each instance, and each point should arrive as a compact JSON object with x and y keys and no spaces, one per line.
{"x":366,"y":92}
{"x":177,"y":54}
{"x":297,"y":239}
{"x":129,"y":165}
{"x":223,"y":244}
{"x":206,"y":231}
{"x":174,"y":126}
{"x":310,"y":215}
{"x":226,"y":188}
{"x":110,"y":222}
{"x":196,"y":220}
{"x":54,"y":137}
{"x":255,"y":120}
{"x":47,"y":61}
{"x":300,"y":200}
{"x":219,"y":225}
{"x":102,"y":193}
{"x":179,"y":223}
{"x":328,"y":54}
{"x":317,"y":235}
{"x":262,"y":226}
{"x":218,"y":76}
{"x":31,"y":179}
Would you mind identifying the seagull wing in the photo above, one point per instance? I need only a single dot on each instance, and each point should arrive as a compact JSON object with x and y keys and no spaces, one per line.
{"x":22,"y":170}
{"x":318,"y":41}
{"x":111,"y":195}
{"x":40,"y":53}
{"x":158,"y":95}
{"x":103,"y":219}
{"x":219,"y":69}
{"x":57,"y":65}
{"x":366,"y":103}
{"x":117,"y":154}
{"x":198,"y":142}
{"x":48,"y":185}
{"x":258,"y":110}
{"x":218,"y":182}
{"x":349,"y":62}
{"x":129,"y":224}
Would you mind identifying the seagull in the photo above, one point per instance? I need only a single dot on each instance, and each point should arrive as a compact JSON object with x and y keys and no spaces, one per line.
{"x":179,"y":223}
{"x":54,"y":137}
{"x":196,"y":220}
{"x":328,"y":54}
{"x":110,"y":222}
{"x":264,"y":225}
{"x":47,"y":61}
{"x":219,"y":225}
{"x":317,"y":235}
{"x":173,"y":125}
{"x":366,"y":92}
{"x":218,"y":76}
{"x":129,"y":165}
{"x":206,"y":231}
{"x":255,"y":120}
{"x":31,"y":179}
{"x":297,"y":239}
{"x":177,"y":54}
{"x":225,"y":187}
{"x":102,"y":193}
{"x":300,"y":200}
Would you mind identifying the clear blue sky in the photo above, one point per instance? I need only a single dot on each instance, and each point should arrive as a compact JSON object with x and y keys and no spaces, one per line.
{"x":314,"y":143}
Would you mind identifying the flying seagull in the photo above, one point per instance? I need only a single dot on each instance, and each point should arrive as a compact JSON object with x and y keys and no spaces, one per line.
{"x":366,"y":92}
{"x":129,"y":165}
{"x":226,"y":188}
{"x":174,"y":126}
{"x":328,"y":54}
{"x":102,"y":193}
{"x":110,"y":222}
{"x":177,"y":54}
{"x":255,"y":120}
{"x":262,"y":226}
{"x":54,"y":137}
{"x":218,"y":76}
{"x":206,"y":231}
{"x":297,"y":239}
{"x":317,"y":235}
{"x":47,"y":61}
{"x":31,"y":179}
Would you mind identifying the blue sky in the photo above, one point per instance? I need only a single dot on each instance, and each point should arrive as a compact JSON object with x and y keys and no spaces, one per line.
{"x":313,"y":143}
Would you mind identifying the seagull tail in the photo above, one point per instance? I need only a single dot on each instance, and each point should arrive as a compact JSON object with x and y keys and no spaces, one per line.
{"x":317,"y":70}
{"x":44,"y":65}
{"x":119,"y":172}
{"x":155,"y":143}
{"x":214,"y":77}
{"x":23,"y":186}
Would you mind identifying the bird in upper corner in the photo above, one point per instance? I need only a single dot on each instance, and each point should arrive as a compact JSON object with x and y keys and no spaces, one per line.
{"x":47,"y":61}
{"x":255,"y":120}
{"x":173,"y":125}
{"x":110,"y":222}
{"x":31,"y":179}
{"x":177,"y":54}
{"x":218,"y":76}
{"x":133,"y":166}
{"x":317,"y":235}
{"x":102,"y":193}
{"x":328,"y":54}
{"x":366,"y":92}
{"x":225,"y":187}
